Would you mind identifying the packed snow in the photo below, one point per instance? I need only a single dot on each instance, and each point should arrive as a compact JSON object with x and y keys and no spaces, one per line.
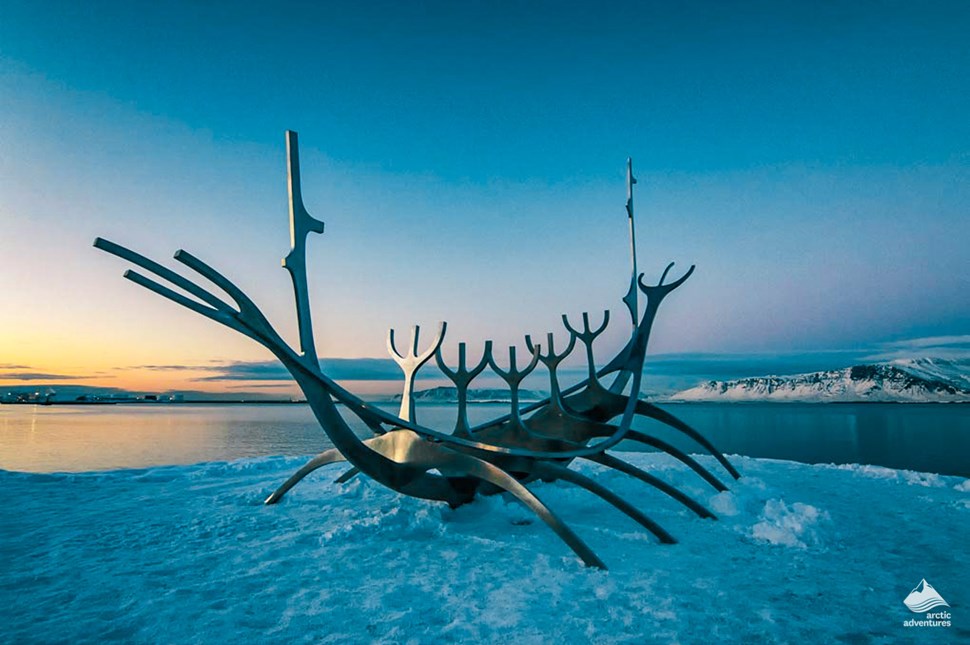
{"x":189,"y":554}
{"x":906,"y":380}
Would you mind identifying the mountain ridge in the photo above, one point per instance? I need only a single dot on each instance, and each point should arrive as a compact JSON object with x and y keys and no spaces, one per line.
{"x":916,"y":380}
{"x":445,"y":394}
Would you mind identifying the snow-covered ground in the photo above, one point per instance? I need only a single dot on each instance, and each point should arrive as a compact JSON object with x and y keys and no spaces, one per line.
{"x":189,"y":554}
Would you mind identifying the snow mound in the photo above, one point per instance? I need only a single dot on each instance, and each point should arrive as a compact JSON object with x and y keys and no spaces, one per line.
{"x":788,"y":526}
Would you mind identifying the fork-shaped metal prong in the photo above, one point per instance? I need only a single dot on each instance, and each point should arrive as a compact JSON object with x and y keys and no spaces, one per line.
{"x":587,"y":336}
{"x":462,"y":378}
{"x":513,"y":377}
{"x":552,"y":360}
{"x":411,"y":362}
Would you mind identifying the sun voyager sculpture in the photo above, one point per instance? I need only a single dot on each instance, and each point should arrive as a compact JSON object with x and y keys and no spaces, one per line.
{"x":532,"y":442}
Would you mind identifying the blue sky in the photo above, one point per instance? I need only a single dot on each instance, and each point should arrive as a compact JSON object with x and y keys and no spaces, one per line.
{"x":468,"y":158}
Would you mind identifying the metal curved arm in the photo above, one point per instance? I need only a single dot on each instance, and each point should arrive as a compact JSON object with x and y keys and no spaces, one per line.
{"x":552,"y":470}
{"x":660,"y":289}
{"x":625,"y":467}
{"x":163,"y":272}
{"x":249,"y":313}
{"x":247,"y":319}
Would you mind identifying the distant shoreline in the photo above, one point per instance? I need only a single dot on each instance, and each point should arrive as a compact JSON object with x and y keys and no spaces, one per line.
{"x":452,"y":403}
{"x":158,"y":403}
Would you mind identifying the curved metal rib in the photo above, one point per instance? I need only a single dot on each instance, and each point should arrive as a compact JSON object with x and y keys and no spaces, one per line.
{"x":406,"y":447}
{"x":551,"y":470}
{"x":347,"y":476}
{"x":494,"y":475}
{"x":163,"y":272}
{"x":580,"y":429}
{"x":653,"y":412}
{"x":325,"y":458}
{"x":250,"y":315}
{"x":607,"y":404}
{"x":659,"y":484}
{"x":678,"y":454}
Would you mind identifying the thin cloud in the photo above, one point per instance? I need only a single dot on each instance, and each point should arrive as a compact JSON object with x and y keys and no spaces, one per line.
{"x":41,"y":376}
{"x":341,"y":369}
{"x":680,"y":368}
{"x":168,"y":368}
{"x":951,"y":347}
{"x":12,"y":366}
{"x":246,"y":371}
{"x":933,"y":341}
{"x":268,"y":386}
{"x":348,"y":369}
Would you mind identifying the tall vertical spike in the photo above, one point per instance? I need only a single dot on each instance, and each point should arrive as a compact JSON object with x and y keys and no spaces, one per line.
{"x":301,"y":225}
{"x":632,"y":297}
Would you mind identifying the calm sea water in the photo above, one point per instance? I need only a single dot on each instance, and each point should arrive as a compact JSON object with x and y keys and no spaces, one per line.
{"x":931,"y":438}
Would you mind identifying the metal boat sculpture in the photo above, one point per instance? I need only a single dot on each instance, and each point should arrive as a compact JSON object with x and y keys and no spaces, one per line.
{"x":531,"y":442}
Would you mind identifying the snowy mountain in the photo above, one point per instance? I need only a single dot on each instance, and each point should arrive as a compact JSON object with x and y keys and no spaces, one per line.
{"x":450,"y":395}
{"x":909,"y":380}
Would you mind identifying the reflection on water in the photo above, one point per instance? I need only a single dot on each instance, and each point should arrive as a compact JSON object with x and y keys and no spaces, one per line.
{"x":923,"y":437}
{"x":934,"y":438}
{"x":71,"y":438}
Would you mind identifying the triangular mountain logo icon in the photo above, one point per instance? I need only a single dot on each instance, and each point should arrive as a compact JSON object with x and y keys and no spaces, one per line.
{"x":924,"y":598}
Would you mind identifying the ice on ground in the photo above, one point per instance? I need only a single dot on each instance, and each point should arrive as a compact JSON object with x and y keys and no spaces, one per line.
{"x":189,"y":554}
{"x":788,"y":526}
